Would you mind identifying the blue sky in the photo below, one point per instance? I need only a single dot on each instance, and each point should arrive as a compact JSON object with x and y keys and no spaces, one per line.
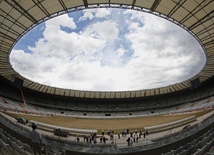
{"x":107,"y":50}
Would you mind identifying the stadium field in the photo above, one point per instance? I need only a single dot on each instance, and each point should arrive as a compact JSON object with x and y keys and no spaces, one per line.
{"x":107,"y":124}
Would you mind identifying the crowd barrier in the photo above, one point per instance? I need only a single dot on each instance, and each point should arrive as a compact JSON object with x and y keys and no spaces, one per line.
{"x":170,"y":125}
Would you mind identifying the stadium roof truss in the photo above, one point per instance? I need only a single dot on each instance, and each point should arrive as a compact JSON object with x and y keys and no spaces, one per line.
{"x":17,"y":17}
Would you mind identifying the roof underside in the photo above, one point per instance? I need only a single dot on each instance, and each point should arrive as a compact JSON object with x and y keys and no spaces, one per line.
{"x":19,"y":16}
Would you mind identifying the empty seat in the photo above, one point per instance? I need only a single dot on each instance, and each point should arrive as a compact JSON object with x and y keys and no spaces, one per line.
{"x":172,"y":152}
{"x":27,"y":148}
{"x":178,"y":150}
{"x":17,"y":147}
{"x":3,"y":144}
{"x":198,"y":145}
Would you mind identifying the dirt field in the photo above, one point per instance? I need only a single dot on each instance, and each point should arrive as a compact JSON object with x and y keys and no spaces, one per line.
{"x":106,"y":124}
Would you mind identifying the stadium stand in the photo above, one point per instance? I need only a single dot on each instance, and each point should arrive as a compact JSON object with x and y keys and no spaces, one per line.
{"x":204,"y":104}
{"x":198,"y":146}
{"x":201,"y":143}
{"x":10,"y":145}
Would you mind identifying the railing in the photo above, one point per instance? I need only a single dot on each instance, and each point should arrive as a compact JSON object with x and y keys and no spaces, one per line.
{"x":166,"y":126}
{"x":52,"y":127}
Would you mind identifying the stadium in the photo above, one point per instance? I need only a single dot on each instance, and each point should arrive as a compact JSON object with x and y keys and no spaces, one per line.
{"x":175,"y":119}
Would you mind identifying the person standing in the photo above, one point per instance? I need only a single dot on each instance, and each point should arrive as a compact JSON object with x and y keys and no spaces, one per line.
{"x":35,"y":140}
{"x":140,"y":133}
{"x":147,"y":132}
{"x":144,"y":135}
{"x":78,"y":138}
{"x":118,"y":135}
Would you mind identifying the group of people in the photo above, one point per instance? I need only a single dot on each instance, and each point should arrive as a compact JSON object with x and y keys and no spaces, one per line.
{"x":92,"y":138}
{"x":134,"y":137}
{"x":36,"y":138}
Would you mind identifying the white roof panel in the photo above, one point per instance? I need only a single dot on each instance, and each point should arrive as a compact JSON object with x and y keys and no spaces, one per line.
{"x":144,"y":3}
{"x":98,"y":1}
{"x":122,"y":2}
{"x":73,"y":3}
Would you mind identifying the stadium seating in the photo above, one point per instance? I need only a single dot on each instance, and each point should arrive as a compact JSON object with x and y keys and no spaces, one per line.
{"x":11,"y":146}
{"x":198,"y":146}
{"x":207,"y":103}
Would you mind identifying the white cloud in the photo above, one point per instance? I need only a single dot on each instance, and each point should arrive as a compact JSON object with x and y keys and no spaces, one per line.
{"x":161,"y":48}
{"x":102,"y":13}
{"x":95,"y":13}
{"x":63,"y":20}
{"x":106,"y":30}
{"x":87,"y":14}
{"x":120,"y":52}
{"x":130,"y":51}
{"x":134,"y":15}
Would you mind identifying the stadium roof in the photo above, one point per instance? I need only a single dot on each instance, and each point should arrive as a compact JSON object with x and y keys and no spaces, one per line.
{"x":17,"y":17}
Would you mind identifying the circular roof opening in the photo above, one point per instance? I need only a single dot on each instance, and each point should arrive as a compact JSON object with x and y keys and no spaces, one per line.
{"x":107,"y":50}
